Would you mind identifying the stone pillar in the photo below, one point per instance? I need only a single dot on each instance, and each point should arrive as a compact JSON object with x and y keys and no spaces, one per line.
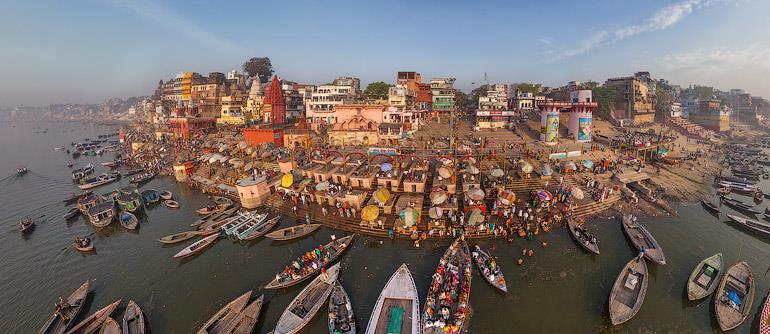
{"x":581,"y":123}
{"x":252,"y":192}
{"x":549,"y":125}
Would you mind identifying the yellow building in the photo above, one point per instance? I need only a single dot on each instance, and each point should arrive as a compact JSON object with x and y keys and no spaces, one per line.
{"x":187,"y":81}
{"x":233,"y":111}
{"x":355,"y":131}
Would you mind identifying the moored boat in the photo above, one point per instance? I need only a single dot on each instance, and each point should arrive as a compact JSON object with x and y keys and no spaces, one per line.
{"x":87,"y":202}
{"x":643,"y":240}
{"x":102,"y":214}
{"x":133,"y":319}
{"x":142,"y":178}
{"x":222,"y":319}
{"x":66,"y":311}
{"x":93,"y":322}
{"x":150,"y":196}
{"x":705,"y":277}
{"x":179,"y":237}
{"x":128,"y":220}
{"x":71,"y":213}
{"x":253,"y":229}
{"x":397,"y":309}
{"x":130,"y":201}
{"x":166,"y":195}
{"x":708,"y":205}
{"x":134,"y":171}
{"x":245,"y":321}
{"x":628,"y":291}
{"x":489,"y":269}
{"x":734,"y":296}
{"x":307,"y":303}
{"x":297,"y":272}
{"x":583,"y":237}
{"x":754,"y":225}
{"x":342,"y":320}
{"x":449,"y":310}
{"x":196,"y":247}
{"x":171,"y":204}
{"x":740,"y":206}
{"x":110,"y":326}
{"x":293,"y":232}
{"x":75,"y":197}
{"x":100,"y":181}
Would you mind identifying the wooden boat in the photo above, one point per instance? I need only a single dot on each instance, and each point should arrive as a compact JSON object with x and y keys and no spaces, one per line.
{"x":307,"y":303}
{"x":764,"y":318}
{"x":110,"y":326}
{"x":734,"y":296}
{"x":222,"y":319}
{"x":710,"y":206}
{"x":134,"y":171}
{"x":246,"y":320}
{"x":582,"y":237}
{"x":179,"y":237}
{"x":241,"y":218}
{"x":705,"y":277}
{"x":216,"y":218}
{"x":252,"y":230}
{"x":129,"y":201}
{"x":87,"y":202}
{"x":128,"y":220}
{"x":196,"y":247}
{"x":333,"y":250}
{"x":210,"y":209}
{"x":93,"y":322}
{"x":293,"y":232}
{"x":142,"y":178}
{"x":628,"y":291}
{"x":75,"y":197}
{"x":99,"y":182}
{"x":102,"y":214}
{"x":21,"y":170}
{"x":754,"y":225}
{"x":133,"y":319}
{"x":83,"y":247}
{"x":740,"y":206}
{"x":71,"y":213}
{"x":150,"y":196}
{"x":457,"y":256}
{"x":397,"y":309}
{"x":166,"y":195}
{"x":26,"y":225}
{"x":723,"y":190}
{"x":57,"y":324}
{"x":489,"y":269}
{"x":643,"y":240}
{"x":171,"y":204}
{"x":341,"y":317}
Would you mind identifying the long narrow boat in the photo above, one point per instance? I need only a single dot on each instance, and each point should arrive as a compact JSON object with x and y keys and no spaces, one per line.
{"x":110,"y":326}
{"x":754,"y":225}
{"x":582,"y":237}
{"x":75,"y":197}
{"x":734,"y":296}
{"x":246,"y":320}
{"x":397,"y":309}
{"x":740,"y":206}
{"x":253,"y":231}
{"x":97,"y":183}
{"x":628,"y":291}
{"x":456,"y":262}
{"x":708,"y":205}
{"x":71,"y":213}
{"x":142,"y":178}
{"x":489,"y":269}
{"x":222,"y":319}
{"x":179,"y":237}
{"x":307,"y":303}
{"x":58,"y":324}
{"x":93,"y":322}
{"x":764,"y":318}
{"x":128,"y":220}
{"x":704,"y":279}
{"x":133,"y":319}
{"x":341,"y":317}
{"x":241,"y":219}
{"x":331,"y":251}
{"x":643,"y":240}
{"x":196,"y":247}
{"x":293,"y":232}
{"x":217,"y":219}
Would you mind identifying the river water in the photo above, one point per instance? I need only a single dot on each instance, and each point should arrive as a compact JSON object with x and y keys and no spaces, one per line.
{"x":561,"y":289}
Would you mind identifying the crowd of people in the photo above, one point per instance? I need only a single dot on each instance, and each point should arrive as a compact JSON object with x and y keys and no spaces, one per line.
{"x":446,"y":308}
{"x":306,"y":264}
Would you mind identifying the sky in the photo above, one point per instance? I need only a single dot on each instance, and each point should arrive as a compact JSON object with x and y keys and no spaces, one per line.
{"x":85,"y":51}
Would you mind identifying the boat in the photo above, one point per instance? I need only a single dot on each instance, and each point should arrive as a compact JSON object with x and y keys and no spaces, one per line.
{"x":342,"y":320}
{"x":70,"y":308}
{"x":71,"y":213}
{"x":171,"y":204}
{"x":734,"y":296}
{"x":196,"y":247}
{"x":22,"y":170}
{"x":150,"y":196}
{"x":222,"y":319}
{"x":102,"y":214}
{"x":110,"y":326}
{"x":723,"y":190}
{"x":582,"y":237}
{"x":26,"y":225}
{"x":758,"y":196}
{"x":129,"y":201}
{"x":166,"y":195}
{"x":628,"y":291}
{"x":704,"y":279}
{"x":93,"y":322}
{"x":75,"y":197}
{"x":75,"y":155}
{"x":142,"y":178}
{"x":307,"y":303}
{"x":332,"y":251}
{"x":293,"y":232}
{"x":210,"y":209}
{"x":456,"y":261}
{"x":397,"y":309}
{"x":133,"y":319}
{"x":128,"y":220}
{"x":87,"y":202}
{"x":764,"y":318}
{"x":710,"y":206}
{"x":215,"y":221}
{"x":643,"y":240}
{"x":489,"y":269}
{"x":179,"y":237}
{"x":84,"y":244}
{"x":754,"y":225}
{"x":247,"y":319}
{"x":253,"y":230}
{"x":100,"y":181}
{"x":110,"y":164}
{"x":134,"y":171}
{"x":111,"y":196}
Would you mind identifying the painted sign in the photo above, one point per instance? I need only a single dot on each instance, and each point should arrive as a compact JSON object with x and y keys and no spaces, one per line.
{"x":552,"y":128}
{"x":495,"y":113}
{"x":584,"y":128}
{"x":560,"y":155}
{"x":383,"y":151}
{"x":573,"y":153}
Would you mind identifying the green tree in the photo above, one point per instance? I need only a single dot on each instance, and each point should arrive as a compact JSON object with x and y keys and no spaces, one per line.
{"x":476,"y":93}
{"x":259,"y":67}
{"x":605,"y":98}
{"x":528,"y":88}
{"x":377,"y":90}
{"x":461,"y":100}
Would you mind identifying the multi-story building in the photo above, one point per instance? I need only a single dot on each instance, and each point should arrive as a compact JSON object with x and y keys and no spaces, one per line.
{"x":319,"y":107}
{"x":495,"y":98}
{"x":424,"y":97}
{"x":207,"y":93}
{"x":233,"y":111}
{"x":635,"y":99}
{"x":711,"y":115}
{"x":401,"y":97}
{"x":411,"y":80}
{"x":443,"y":94}
{"x":524,"y":101}
{"x":179,"y":89}
{"x":295,"y":105}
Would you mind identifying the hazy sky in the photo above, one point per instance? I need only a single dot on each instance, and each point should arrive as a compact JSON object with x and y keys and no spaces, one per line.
{"x":90,"y":50}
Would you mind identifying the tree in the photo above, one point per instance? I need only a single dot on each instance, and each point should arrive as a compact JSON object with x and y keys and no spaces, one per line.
{"x":259,"y":67}
{"x":377,"y":90}
{"x":528,"y":88}
{"x":605,"y":98}
{"x":476,"y":93}
{"x":461,"y":101}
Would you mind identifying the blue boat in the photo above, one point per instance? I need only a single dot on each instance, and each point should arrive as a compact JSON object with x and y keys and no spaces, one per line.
{"x":150,"y":196}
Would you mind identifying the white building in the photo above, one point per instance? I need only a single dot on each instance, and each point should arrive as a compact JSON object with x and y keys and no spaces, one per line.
{"x":525,"y":101}
{"x":319,"y":106}
{"x":495,"y":98}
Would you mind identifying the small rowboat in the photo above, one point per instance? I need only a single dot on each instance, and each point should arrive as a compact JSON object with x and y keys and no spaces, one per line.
{"x":210,"y":209}
{"x":397,"y":307}
{"x":93,"y":322}
{"x":257,"y":231}
{"x":246,"y":320}
{"x":643,"y":240}
{"x":166,"y":195}
{"x":84,"y":247}
{"x":734,"y":297}
{"x":294,"y":232}
{"x":582,"y":237}
{"x":341,"y":317}
{"x":764,"y":318}
{"x":57,"y":324}
{"x":196,"y":247}
{"x":754,"y":225}
{"x":489,"y":269}
{"x":128,"y":220}
{"x":179,"y":237}
{"x":708,"y":205}
{"x":222,"y":319}
{"x":171,"y":204}
{"x":740,"y":206}
{"x":307,"y":303}
{"x":110,"y":326}
{"x":26,"y":225}
{"x":705,"y":277}
{"x":133,"y":319}
{"x":332,"y":251}
{"x":71,"y":213}
{"x":628,"y":291}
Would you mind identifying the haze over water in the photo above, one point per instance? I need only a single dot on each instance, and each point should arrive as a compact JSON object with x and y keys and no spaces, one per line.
{"x":562,"y":289}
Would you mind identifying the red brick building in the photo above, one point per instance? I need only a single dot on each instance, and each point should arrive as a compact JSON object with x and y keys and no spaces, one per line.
{"x":186,"y":127}
{"x":274,"y":107}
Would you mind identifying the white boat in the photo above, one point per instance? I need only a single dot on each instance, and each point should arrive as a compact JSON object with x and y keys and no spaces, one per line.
{"x":197,"y":246}
{"x":249,"y":223}
{"x":241,"y":219}
{"x":100,"y":181}
{"x":397,"y":305}
{"x":307,"y":303}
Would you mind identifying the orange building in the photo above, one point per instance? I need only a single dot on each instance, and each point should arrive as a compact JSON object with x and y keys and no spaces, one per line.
{"x":257,"y":136}
{"x":186,"y":127}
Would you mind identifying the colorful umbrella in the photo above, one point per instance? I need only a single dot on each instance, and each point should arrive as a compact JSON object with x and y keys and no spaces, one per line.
{"x":471,"y":169}
{"x":437,"y":196}
{"x":544,"y":195}
{"x":381,"y":195}
{"x":474,"y":217}
{"x":287,"y":180}
{"x":507,"y":197}
{"x":569,"y":165}
{"x":370,"y":212}
{"x":525,"y":167}
{"x":445,"y":172}
{"x":497,"y":172}
{"x":409,"y":216}
{"x":435,"y":212}
{"x":386,"y":166}
{"x":588,"y":164}
{"x":476,"y":194}
{"x":547,"y":170}
{"x":577,"y":193}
